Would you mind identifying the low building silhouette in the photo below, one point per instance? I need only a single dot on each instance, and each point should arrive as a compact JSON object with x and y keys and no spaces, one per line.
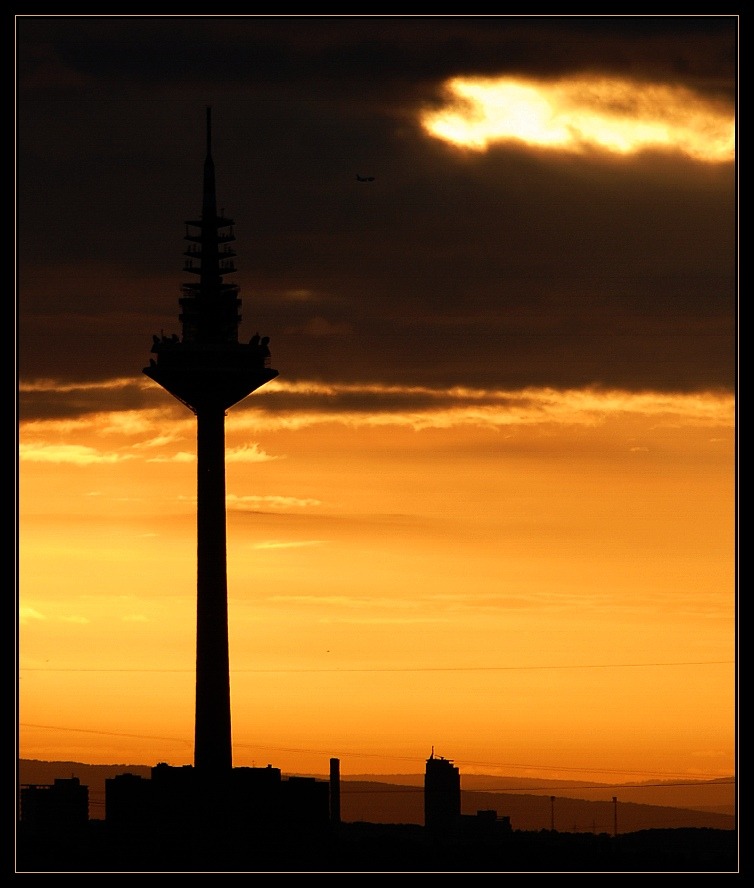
{"x":62,"y":805}
{"x":177,"y":798}
{"x":127,"y":799}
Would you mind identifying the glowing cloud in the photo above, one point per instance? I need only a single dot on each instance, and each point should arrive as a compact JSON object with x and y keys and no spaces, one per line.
{"x":67,"y":453}
{"x":52,"y":385}
{"x":493,"y":408}
{"x":614,"y":115}
{"x":248,"y":454}
{"x":283,"y":544}
{"x":180,"y":457}
{"x":26,"y":614}
{"x":279,"y":502}
{"x":115,"y":439}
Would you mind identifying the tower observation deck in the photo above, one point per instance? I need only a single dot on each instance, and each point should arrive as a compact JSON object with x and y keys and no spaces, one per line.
{"x":208,"y":370}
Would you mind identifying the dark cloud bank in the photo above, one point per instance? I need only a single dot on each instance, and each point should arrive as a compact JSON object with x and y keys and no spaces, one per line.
{"x":502,"y":269}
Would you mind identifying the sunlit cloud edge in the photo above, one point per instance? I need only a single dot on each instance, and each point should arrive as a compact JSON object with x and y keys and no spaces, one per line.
{"x":49,"y":440}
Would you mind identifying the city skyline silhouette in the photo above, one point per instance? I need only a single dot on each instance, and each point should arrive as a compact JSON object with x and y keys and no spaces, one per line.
{"x":157,"y":820}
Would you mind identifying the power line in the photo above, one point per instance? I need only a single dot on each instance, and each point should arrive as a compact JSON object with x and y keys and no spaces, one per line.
{"x":104,"y":733}
{"x":392,"y":758}
{"x":389,"y":669}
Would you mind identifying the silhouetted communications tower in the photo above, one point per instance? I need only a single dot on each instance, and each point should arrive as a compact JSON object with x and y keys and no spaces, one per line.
{"x":209,"y":371}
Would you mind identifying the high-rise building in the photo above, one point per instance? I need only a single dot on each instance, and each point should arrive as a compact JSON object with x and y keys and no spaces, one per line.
{"x":208,"y":370}
{"x":442,"y":793}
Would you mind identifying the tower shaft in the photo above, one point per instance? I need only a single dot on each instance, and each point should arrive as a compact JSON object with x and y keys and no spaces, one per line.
{"x":212,"y":729}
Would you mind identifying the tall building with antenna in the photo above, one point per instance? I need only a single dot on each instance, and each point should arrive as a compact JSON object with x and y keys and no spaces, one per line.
{"x":442,"y":793}
{"x":208,"y":370}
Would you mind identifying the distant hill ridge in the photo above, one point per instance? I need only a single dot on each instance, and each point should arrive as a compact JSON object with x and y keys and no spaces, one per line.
{"x":528,"y":802}
{"x":714,"y":796}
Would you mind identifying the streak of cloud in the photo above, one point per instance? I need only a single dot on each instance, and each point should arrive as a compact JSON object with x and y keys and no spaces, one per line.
{"x":287,"y":544}
{"x":28,"y":614}
{"x":76,"y":454}
{"x":371,"y":406}
{"x":282,"y":502}
{"x":180,"y":457}
{"x":248,"y":453}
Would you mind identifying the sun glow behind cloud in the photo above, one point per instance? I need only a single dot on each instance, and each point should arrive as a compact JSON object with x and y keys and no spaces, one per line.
{"x":584,"y":113}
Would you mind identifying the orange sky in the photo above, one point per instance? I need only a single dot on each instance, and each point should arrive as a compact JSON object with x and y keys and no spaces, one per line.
{"x":542,"y":586}
{"x":489,"y":505}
